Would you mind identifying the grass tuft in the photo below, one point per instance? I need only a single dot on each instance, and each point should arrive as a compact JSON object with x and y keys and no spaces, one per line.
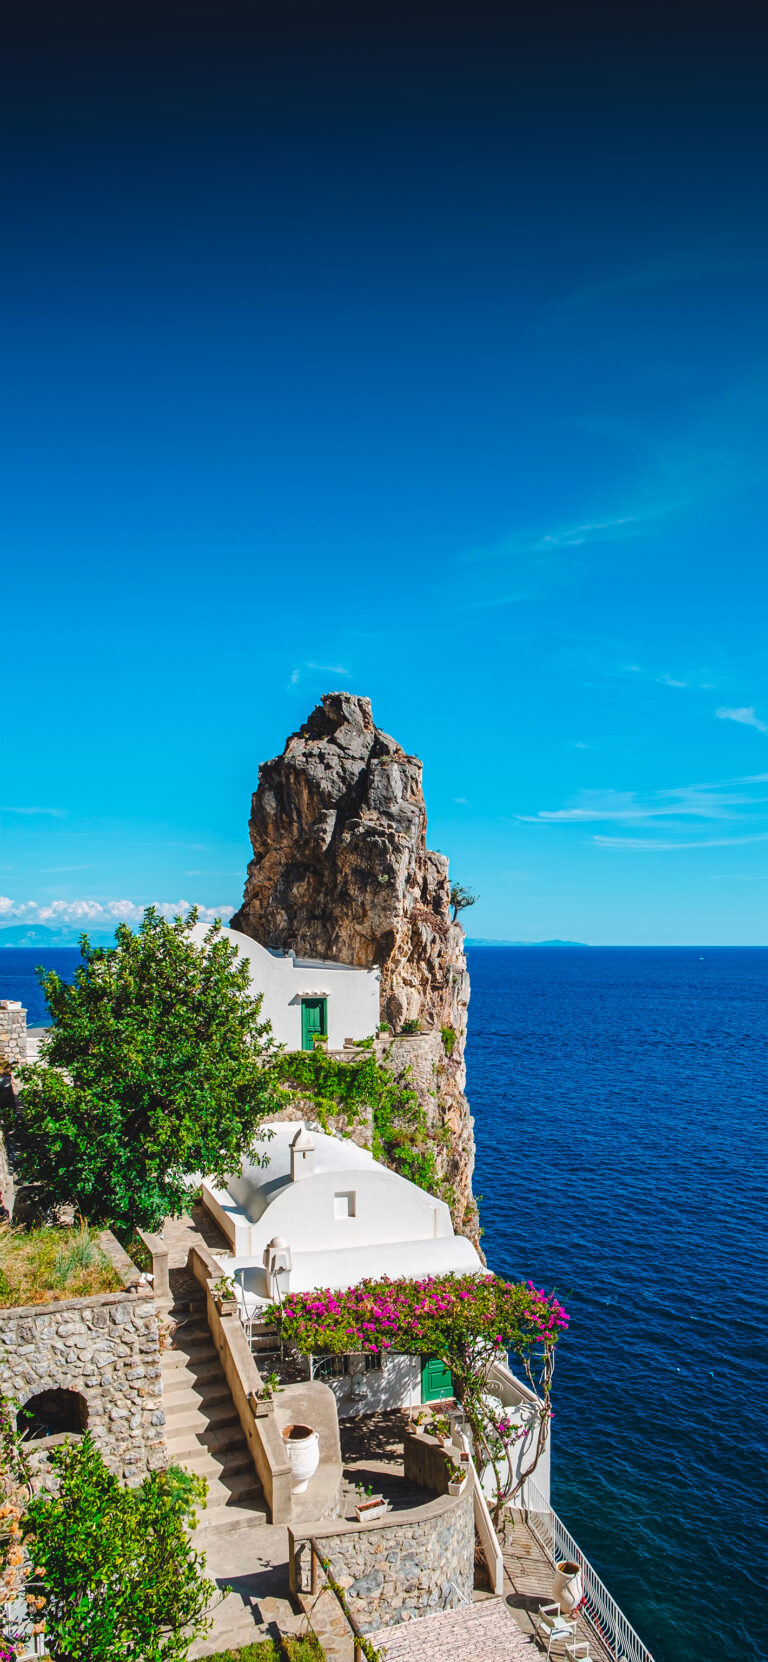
{"x":305,"y":1649}
{"x":40,"y":1266}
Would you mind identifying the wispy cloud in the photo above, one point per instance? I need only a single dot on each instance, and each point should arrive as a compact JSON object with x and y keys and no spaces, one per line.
{"x":105,"y":914}
{"x":745,"y":714}
{"x":650,"y":845}
{"x":539,"y":559}
{"x":323,"y":669}
{"x":696,"y":801}
{"x":55,"y":813}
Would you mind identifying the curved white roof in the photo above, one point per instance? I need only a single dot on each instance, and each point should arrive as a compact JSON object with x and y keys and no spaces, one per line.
{"x":256,"y":1187}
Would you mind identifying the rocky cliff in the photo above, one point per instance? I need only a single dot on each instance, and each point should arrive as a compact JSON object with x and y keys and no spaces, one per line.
{"x":341,"y":870}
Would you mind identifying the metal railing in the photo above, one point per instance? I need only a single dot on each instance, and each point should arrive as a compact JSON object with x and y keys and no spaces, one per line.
{"x":599,"y":1609}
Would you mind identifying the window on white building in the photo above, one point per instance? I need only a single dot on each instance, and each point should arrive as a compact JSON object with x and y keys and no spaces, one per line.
{"x":345,"y":1204}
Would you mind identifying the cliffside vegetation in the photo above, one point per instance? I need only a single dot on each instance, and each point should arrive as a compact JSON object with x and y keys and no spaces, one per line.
{"x":341,"y":1094}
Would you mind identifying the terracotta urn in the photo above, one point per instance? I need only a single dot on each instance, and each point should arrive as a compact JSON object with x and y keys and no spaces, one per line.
{"x":568,"y":1585}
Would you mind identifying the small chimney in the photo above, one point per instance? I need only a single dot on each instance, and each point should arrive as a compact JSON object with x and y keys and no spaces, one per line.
{"x":302,"y":1155}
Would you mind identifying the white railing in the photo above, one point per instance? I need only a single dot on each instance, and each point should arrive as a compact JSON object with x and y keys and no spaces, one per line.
{"x":599,"y":1610}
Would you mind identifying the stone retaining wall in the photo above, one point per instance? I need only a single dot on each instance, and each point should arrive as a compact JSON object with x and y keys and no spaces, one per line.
{"x":408,"y":1564}
{"x":106,"y":1348}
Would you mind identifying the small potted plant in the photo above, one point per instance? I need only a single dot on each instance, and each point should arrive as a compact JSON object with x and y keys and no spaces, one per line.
{"x":263,"y":1401}
{"x":368,"y":1505}
{"x":441,"y":1429}
{"x":457,"y":1477}
{"x":225,"y":1296}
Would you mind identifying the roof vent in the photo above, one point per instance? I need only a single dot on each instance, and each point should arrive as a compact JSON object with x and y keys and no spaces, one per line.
{"x":302,"y":1154}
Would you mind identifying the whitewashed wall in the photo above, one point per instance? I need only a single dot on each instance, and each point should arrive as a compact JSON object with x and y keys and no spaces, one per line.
{"x":352,"y":993}
{"x":398,"y":1385}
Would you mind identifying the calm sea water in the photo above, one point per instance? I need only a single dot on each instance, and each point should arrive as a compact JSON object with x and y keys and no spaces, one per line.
{"x":620,"y":1103}
{"x":620,"y":1115}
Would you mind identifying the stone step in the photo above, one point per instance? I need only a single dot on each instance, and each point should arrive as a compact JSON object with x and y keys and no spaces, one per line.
{"x":192,"y":1348}
{"x":212,"y":1438}
{"x":229,"y":1463}
{"x":216,"y":1521}
{"x":188,"y":1393}
{"x":186,"y":1337}
{"x":177,"y":1369}
{"x":189,"y":1417}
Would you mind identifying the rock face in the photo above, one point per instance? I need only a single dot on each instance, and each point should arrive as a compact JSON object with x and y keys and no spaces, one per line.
{"x":341,"y":870}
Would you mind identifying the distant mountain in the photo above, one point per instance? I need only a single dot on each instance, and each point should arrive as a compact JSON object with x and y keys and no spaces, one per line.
{"x":38,"y":934}
{"x":479,"y":942}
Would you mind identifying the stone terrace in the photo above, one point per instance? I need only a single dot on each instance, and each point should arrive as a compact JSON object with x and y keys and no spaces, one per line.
{"x":474,"y":1633}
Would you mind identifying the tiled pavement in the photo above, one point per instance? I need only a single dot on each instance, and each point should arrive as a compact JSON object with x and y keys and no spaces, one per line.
{"x":484,"y":1632}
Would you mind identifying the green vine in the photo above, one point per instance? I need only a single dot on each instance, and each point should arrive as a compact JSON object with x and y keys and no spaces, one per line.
{"x":368,"y":1649}
{"x":346,"y":1091}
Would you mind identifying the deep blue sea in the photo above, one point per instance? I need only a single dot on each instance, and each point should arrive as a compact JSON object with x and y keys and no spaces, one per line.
{"x":620,"y":1100}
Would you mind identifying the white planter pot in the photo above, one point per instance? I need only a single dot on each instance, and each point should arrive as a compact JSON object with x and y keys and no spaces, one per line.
{"x":367,"y":1510}
{"x":302,"y":1446}
{"x":457,"y":1488}
{"x":568,"y":1585}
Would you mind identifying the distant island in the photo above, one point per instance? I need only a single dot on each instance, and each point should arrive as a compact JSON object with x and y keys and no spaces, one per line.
{"x":39,"y":934}
{"x":479,"y":941}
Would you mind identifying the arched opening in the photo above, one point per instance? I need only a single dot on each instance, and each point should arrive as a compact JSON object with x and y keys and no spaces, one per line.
{"x":50,"y":1413}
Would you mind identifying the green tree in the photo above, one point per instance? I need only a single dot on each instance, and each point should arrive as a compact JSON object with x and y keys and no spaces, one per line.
{"x":461,"y":898}
{"x":119,"y":1576}
{"x":154,"y":1071}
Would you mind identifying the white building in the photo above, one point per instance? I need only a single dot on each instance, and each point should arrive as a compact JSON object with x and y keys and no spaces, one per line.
{"x":306,"y":996}
{"x":324,"y":1213}
{"x":342,"y":1214}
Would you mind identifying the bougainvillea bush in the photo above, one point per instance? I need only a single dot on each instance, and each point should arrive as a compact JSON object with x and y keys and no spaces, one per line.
{"x":469,"y":1322}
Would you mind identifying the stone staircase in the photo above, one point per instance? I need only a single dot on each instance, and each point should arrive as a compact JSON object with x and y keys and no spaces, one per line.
{"x":203,"y":1434}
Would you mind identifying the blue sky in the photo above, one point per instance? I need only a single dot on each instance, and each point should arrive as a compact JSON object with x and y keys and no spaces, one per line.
{"x":423,"y":360}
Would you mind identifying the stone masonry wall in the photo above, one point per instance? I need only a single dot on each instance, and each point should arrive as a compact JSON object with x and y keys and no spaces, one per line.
{"x":408,"y":1567}
{"x":13,"y":1033}
{"x":107,"y":1349}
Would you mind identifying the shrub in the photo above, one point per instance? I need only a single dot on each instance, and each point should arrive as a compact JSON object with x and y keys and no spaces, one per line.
{"x":411,"y":1026}
{"x":449,"y":1036}
{"x":153,"y":1072}
{"x":121,"y":1580}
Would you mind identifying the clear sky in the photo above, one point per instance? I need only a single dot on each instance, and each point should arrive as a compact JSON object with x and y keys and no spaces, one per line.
{"x":418,"y":351}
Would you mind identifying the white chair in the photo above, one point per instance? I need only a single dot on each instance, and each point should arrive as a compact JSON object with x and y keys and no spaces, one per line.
{"x":552,"y":1628}
{"x":577,"y":1650}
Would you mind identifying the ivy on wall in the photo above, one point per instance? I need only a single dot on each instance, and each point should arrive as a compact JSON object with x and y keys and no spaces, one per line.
{"x":346,"y":1091}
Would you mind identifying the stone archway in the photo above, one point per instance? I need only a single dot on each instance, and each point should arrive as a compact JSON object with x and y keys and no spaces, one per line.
{"x":50,"y":1413}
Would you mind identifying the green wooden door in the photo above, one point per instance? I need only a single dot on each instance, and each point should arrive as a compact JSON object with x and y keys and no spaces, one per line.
{"x":312,"y":1021}
{"x":436,"y":1381}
